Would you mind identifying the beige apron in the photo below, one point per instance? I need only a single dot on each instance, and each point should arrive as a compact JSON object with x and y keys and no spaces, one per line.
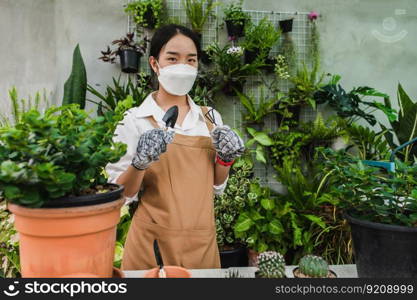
{"x":176,"y":208}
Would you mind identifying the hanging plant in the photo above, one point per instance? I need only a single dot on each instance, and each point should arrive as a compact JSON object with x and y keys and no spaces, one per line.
{"x":146,"y":13}
{"x":198,"y":12}
{"x":259,"y":40}
{"x":235,"y":19}
{"x":129,"y":52}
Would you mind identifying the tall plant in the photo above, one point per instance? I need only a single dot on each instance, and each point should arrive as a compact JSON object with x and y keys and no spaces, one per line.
{"x":198,"y":12}
{"x":404,"y":128}
{"x":75,"y":88}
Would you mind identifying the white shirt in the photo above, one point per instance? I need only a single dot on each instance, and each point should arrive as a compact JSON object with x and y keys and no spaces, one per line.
{"x":134,"y":124}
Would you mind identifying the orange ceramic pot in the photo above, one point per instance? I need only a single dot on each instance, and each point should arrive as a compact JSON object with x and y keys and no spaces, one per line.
{"x":55,"y":242}
{"x":170,"y":271}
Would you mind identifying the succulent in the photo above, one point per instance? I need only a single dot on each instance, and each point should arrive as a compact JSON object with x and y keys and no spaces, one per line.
{"x":271,"y":264}
{"x":233,"y":273}
{"x":313,"y":266}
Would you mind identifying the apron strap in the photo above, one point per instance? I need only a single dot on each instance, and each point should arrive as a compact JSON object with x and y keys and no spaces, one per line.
{"x":209,"y":124}
{"x":204,"y":109}
{"x":153,"y":122}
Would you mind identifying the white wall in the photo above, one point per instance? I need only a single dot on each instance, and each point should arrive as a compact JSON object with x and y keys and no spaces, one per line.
{"x":37,"y":38}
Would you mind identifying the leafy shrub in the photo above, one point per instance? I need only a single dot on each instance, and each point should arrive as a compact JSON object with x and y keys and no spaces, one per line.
{"x":60,"y":153}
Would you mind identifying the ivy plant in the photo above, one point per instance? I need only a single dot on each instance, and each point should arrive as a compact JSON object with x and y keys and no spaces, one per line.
{"x":59,"y":153}
{"x":146,"y":13}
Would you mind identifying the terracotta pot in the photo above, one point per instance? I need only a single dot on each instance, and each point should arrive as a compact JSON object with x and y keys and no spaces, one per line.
{"x":79,"y":275}
{"x":253,"y":258}
{"x":117,"y":273}
{"x":55,"y":242}
{"x":171,"y":272}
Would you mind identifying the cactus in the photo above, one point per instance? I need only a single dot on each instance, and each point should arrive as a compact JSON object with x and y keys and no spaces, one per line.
{"x":313,"y":266}
{"x":271,"y":264}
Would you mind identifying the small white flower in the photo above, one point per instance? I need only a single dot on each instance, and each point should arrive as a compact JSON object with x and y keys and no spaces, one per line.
{"x":235,"y":50}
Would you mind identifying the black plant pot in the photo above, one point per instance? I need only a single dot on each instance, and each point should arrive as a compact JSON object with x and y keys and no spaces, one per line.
{"x":205,"y":58}
{"x":286,"y":25}
{"x":384,"y":251}
{"x":149,"y":18}
{"x":235,"y":30}
{"x":114,"y":193}
{"x":269,"y":65}
{"x":251,"y":55}
{"x":237,"y":257}
{"x":229,"y":88}
{"x":129,"y":60}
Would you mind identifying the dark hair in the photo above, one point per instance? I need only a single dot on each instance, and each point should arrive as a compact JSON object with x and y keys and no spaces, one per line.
{"x":162,"y":36}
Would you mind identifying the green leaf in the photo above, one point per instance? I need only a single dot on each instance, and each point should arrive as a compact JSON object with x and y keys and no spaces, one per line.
{"x":263,"y":139}
{"x":268,"y":204}
{"x":315,"y":219}
{"x":75,"y":88}
{"x":275,"y":227}
{"x":243,"y":223}
{"x":260,"y":155}
{"x":12,"y":192}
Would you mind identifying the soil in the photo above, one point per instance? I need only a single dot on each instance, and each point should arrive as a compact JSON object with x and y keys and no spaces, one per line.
{"x":298,"y":274}
{"x":98,"y":189}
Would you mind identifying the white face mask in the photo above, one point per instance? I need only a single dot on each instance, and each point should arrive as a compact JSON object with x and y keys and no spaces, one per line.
{"x":177,"y":79}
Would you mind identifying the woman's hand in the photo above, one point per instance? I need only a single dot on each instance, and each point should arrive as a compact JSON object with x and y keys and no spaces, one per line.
{"x":227,"y":143}
{"x":150,"y":146}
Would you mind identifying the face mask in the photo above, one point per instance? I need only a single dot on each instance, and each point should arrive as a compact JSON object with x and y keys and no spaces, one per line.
{"x":177,"y":79}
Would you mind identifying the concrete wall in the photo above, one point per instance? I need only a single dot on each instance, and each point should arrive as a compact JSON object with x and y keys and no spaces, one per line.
{"x":359,"y":41}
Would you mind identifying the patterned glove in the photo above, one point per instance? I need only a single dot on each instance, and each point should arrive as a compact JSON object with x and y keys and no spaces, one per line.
{"x":227,"y":143}
{"x":150,"y":146}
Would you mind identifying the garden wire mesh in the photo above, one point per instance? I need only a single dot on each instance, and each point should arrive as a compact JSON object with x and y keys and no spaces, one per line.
{"x":301,"y":37}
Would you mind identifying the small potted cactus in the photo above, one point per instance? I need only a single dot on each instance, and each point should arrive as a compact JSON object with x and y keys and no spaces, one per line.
{"x":312,"y":266}
{"x":271,"y":264}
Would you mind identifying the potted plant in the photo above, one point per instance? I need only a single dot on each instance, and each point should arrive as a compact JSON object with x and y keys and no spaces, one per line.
{"x":381,"y":208}
{"x":129,"y":52}
{"x":207,"y":53}
{"x":233,"y":251}
{"x":146,"y":13}
{"x":198,"y":12}
{"x":271,"y":264}
{"x":235,"y":20}
{"x":259,"y":40}
{"x":230,"y":71}
{"x":258,"y":223}
{"x":312,"y":266}
{"x":256,"y":111}
{"x":286,"y":25}
{"x":51,"y":174}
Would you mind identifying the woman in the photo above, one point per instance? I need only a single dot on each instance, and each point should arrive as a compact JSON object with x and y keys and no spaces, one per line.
{"x":179,"y":169}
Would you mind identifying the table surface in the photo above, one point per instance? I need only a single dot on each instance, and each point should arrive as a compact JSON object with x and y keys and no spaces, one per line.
{"x":342,"y":271}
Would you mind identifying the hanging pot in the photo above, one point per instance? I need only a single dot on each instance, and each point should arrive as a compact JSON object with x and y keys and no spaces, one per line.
{"x":205,"y":58}
{"x":235,"y":30}
{"x":269,"y":65}
{"x":74,"y":235}
{"x":235,"y":257}
{"x":251,"y":55}
{"x":230,"y":87}
{"x":286,"y":25}
{"x":382,"y":250}
{"x":149,"y":18}
{"x":129,"y":60}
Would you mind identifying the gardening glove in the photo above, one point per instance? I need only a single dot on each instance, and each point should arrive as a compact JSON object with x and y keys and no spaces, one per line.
{"x":227,"y":143}
{"x":150,"y":146}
